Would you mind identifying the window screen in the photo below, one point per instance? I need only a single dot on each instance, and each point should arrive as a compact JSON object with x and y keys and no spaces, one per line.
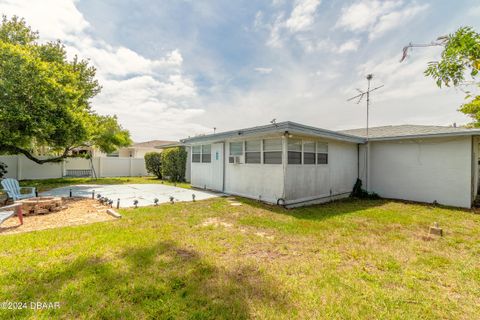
{"x":196,"y":153}
{"x":294,"y":151}
{"x":309,"y":152}
{"x":272,"y":151}
{"x":236,"y":148}
{"x":206,"y":153}
{"x":322,"y":153}
{"x":252,"y":151}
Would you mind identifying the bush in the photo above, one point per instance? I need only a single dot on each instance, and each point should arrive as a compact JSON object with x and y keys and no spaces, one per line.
{"x":3,"y":169}
{"x":173,"y":164}
{"x":153,"y":163}
{"x":359,"y":192}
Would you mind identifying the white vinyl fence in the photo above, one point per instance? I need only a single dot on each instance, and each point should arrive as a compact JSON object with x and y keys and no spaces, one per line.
{"x":21,"y":168}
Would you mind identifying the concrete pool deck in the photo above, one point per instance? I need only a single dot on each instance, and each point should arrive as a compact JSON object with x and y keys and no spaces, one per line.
{"x":127,"y":193}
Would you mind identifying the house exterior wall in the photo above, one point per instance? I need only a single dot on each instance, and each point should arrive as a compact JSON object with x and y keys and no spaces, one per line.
{"x":425,"y":170}
{"x":293,"y":183}
{"x":258,"y":181}
{"x":324,"y":181}
{"x":201,"y":175}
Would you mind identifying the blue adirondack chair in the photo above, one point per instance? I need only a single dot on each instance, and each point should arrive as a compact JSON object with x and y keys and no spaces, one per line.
{"x":14,"y":190}
{"x":8,"y":211}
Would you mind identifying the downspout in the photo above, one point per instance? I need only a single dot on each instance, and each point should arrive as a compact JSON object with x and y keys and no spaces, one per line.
{"x":224,"y":167}
{"x":284,"y":164}
{"x":358,"y":160}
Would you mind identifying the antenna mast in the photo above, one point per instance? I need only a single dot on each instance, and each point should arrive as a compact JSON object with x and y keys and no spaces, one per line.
{"x":360,"y":97}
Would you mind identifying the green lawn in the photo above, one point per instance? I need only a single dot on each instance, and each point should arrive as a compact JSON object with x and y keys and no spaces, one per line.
{"x":346,"y":260}
{"x":46,"y":184}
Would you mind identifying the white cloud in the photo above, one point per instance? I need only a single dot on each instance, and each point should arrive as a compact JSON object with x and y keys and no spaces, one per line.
{"x":263,"y":70}
{"x":57,"y":19}
{"x":303,"y":15}
{"x":363,"y":14}
{"x":350,"y":45}
{"x":153,"y":98}
{"x":301,"y":19}
{"x":377,"y":17}
{"x":275,"y":32}
{"x":395,"y":19}
{"x":327,"y":45}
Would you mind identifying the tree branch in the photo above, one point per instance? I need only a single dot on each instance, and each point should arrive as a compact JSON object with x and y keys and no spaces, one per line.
{"x":29,"y":155}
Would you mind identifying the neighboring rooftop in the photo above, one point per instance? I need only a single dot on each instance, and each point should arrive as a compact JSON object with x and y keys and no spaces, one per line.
{"x":409,"y":130}
{"x":151,"y":143}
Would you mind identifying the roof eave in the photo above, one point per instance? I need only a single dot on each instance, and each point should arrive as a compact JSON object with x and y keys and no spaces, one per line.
{"x":282,"y":127}
{"x":425,"y":136}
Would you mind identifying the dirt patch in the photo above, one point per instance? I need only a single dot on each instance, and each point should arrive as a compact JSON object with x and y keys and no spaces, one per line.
{"x":79,"y":211}
{"x":215,"y":222}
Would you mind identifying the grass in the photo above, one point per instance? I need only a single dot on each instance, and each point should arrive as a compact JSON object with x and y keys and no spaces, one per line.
{"x":210,"y":260}
{"x":47,"y":184}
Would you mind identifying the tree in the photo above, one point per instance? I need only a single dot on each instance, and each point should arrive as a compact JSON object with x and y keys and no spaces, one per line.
{"x":459,"y":66}
{"x":45,"y":99}
{"x":174,"y":161}
{"x":153,"y":163}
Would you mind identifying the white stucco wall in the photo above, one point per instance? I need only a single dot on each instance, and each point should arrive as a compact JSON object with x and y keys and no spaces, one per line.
{"x":258,"y":181}
{"x":422,"y":170}
{"x":306,"y":182}
{"x":201,"y":175}
{"x":267,"y":182}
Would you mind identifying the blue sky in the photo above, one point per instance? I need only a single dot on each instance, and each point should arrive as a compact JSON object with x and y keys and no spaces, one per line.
{"x":172,"y":69}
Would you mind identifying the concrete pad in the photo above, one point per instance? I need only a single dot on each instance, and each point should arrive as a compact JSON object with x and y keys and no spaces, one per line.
{"x":127,"y":193}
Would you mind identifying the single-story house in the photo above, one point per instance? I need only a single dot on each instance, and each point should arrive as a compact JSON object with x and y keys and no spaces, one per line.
{"x":136,"y":150}
{"x":293,"y":164}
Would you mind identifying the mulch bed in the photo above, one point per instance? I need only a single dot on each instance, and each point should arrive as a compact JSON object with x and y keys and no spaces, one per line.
{"x":79,"y":211}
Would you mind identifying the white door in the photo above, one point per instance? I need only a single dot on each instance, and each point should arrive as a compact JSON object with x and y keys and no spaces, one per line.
{"x":217,"y":167}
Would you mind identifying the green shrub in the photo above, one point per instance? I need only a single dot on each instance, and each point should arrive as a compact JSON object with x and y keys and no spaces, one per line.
{"x":359,"y":192}
{"x":173,"y":164}
{"x":153,"y":163}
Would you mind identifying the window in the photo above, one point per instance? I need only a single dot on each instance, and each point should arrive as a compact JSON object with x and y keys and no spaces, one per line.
{"x":272,"y":151}
{"x":294,"y":151}
{"x":196,"y":153}
{"x":113,"y":154}
{"x":322,"y":153}
{"x":236,"y":148}
{"x":253,"y":151}
{"x":206,"y":153}
{"x":309,"y":152}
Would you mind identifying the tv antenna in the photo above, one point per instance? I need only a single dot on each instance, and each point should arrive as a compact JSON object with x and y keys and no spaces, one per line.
{"x":366,"y":93}
{"x":359,"y":98}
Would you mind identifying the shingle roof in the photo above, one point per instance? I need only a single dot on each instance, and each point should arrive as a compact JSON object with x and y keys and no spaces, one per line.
{"x":408,"y":130}
{"x":151,"y":143}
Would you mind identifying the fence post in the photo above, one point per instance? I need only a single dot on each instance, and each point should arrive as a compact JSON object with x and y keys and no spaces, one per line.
{"x":62,"y":169}
{"x":100,"y":167}
{"x":19,"y":167}
{"x":131,"y":167}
